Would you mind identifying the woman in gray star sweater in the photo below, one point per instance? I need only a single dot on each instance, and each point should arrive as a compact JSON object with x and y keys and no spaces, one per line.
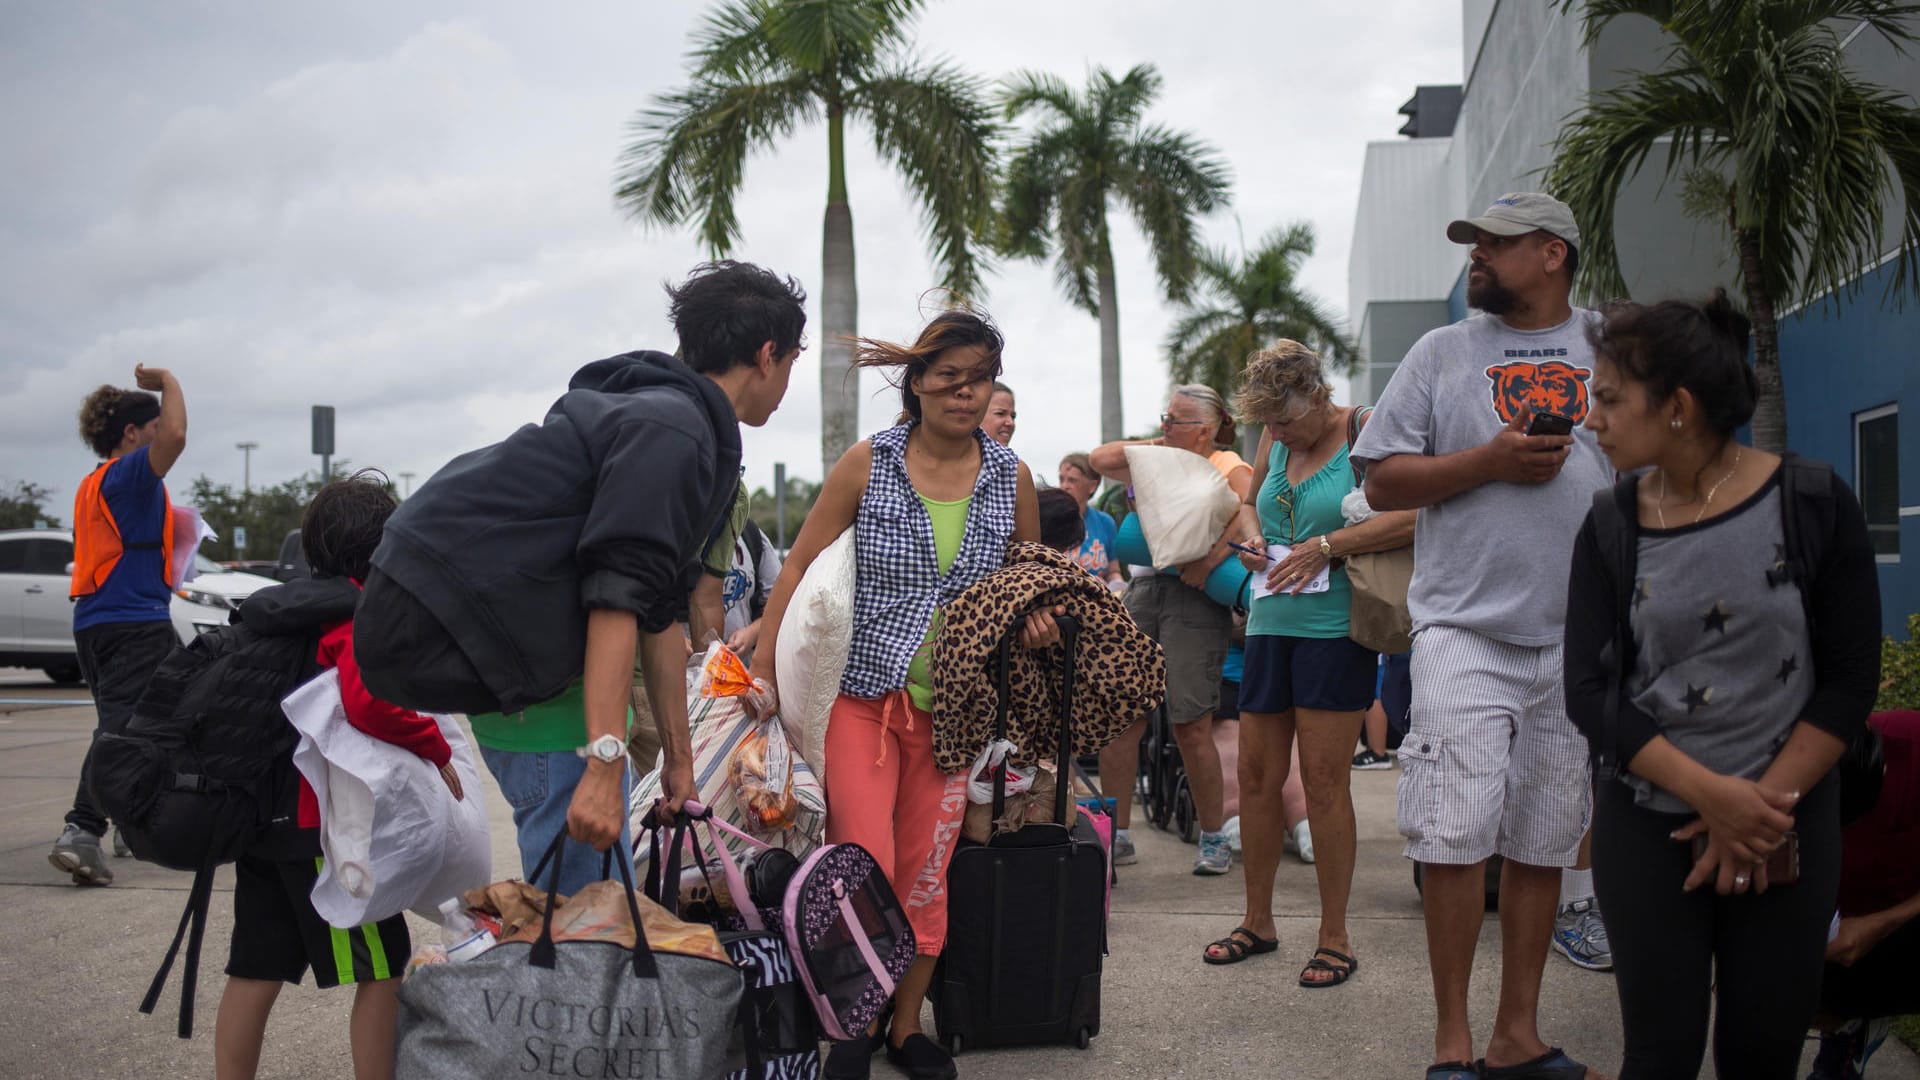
{"x":1745,"y":675}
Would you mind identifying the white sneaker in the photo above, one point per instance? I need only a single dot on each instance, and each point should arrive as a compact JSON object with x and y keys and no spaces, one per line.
{"x":1303,"y":842}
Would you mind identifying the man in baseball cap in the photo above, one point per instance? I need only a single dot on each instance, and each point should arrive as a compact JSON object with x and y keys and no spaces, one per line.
{"x":1492,"y":763}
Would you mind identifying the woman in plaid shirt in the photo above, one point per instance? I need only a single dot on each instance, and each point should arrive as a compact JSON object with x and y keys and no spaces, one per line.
{"x":933,"y":502}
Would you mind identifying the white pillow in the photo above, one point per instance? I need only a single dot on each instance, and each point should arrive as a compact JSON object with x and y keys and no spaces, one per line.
{"x":1183,"y":502}
{"x":811,"y":653}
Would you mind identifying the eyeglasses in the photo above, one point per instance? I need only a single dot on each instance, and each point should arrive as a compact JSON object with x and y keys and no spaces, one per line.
{"x":1168,"y":420}
{"x":1285,"y":499}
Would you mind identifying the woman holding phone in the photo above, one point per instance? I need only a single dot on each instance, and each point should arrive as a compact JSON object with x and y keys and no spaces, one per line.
{"x":1737,"y":593}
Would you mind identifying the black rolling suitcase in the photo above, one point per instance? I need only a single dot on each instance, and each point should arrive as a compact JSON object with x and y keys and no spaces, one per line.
{"x":1026,"y":916}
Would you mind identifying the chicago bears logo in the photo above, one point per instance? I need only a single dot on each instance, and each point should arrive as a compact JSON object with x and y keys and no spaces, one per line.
{"x":1522,"y":389}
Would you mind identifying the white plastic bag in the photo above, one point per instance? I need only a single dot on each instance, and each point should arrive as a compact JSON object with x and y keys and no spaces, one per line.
{"x":811,"y":654}
{"x":980,"y":777}
{"x":394,"y":837}
{"x":1183,"y":502}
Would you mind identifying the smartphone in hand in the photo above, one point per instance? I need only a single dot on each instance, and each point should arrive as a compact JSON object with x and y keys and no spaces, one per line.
{"x":1548,"y":423}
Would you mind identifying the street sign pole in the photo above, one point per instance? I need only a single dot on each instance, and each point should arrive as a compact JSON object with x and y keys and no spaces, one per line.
{"x":323,"y":439}
{"x":780,"y":505}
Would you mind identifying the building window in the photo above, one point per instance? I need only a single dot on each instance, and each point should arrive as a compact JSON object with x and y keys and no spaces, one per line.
{"x":1876,"y":477}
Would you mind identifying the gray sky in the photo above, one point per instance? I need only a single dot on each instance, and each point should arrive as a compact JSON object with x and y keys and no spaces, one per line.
{"x":405,"y":210}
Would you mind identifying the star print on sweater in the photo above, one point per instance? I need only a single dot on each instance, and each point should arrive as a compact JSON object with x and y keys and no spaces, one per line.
{"x":1697,"y":698}
{"x":1787,"y":667}
{"x":1715,"y":618}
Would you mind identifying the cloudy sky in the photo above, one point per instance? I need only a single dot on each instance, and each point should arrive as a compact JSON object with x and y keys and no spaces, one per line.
{"x":404,"y":210}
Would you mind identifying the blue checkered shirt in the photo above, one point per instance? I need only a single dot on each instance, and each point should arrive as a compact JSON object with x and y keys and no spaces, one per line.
{"x":899,"y":583}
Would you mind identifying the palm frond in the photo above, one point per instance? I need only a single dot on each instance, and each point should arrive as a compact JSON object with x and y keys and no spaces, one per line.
{"x":1024,"y":90}
{"x":1168,"y":179}
{"x":688,"y":152}
{"x":731,"y":45}
{"x":847,"y":39}
{"x":1122,"y":101}
{"x":934,"y":123}
{"x":1605,"y":146}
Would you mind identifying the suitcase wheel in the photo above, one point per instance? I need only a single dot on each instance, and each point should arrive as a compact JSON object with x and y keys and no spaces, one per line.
{"x":1083,"y":1039}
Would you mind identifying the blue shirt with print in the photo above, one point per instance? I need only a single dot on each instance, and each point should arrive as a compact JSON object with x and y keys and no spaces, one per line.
{"x":1096,"y":551}
{"x":136,"y":591}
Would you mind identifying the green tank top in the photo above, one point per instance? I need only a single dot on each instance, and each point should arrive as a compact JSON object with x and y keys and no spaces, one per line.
{"x":1289,"y":515}
{"x":949,"y":528}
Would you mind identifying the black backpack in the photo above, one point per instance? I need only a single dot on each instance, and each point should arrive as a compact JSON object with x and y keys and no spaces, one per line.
{"x":203,"y":770}
{"x":1808,"y":512}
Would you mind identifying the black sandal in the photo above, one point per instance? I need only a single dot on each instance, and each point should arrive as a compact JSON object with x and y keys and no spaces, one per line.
{"x":1454,"y":1070}
{"x":1239,"y":945}
{"x":1340,"y":974}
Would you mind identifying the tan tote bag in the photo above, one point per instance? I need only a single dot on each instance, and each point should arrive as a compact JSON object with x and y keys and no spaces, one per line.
{"x":1380,"y":579}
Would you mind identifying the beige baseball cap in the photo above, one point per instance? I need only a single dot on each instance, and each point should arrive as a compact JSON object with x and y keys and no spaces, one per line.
{"x":1516,"y":214}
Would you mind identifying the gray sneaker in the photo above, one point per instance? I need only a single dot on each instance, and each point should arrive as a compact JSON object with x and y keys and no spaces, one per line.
{"x":78,"y":853}
{"x":1581,"y":936}
{"x":120,"y":848}
{"x":1216,"y":855}
{"x":1123,"y":852}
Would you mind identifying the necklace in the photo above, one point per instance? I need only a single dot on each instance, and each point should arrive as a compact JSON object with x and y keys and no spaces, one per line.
{"x":1659,"y":508}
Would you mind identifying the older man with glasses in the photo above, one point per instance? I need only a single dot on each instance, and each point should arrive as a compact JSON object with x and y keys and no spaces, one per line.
{"x":1193,"y":630}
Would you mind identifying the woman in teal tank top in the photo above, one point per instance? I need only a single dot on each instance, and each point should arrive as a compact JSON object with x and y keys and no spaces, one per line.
{"x":1303,"y":676}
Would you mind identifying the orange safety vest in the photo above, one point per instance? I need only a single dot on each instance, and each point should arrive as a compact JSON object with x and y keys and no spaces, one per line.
{"x":96,"y":537}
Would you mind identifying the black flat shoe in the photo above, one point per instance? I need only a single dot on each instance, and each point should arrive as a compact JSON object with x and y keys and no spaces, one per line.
{"x":853,"y":1059}
{"x":922,"y":1059}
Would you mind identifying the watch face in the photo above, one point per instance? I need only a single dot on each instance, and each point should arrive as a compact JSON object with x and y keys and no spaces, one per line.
{"x":606,"y":748}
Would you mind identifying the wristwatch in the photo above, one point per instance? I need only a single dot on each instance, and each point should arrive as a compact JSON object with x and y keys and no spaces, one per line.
{"x":606,"y":749}
{"x":1326,"y":546}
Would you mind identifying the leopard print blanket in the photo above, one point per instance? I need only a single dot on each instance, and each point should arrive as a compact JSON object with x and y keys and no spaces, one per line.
{"x":1119,"y":673}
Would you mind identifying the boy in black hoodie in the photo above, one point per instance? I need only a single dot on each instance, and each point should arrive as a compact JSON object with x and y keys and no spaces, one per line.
{"x":572,"y":546}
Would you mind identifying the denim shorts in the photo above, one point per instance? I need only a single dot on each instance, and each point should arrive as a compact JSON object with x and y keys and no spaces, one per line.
{"x":539,"y":786}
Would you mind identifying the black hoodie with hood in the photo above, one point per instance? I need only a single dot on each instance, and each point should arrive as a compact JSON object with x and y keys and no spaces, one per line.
{"x":608,"y":503}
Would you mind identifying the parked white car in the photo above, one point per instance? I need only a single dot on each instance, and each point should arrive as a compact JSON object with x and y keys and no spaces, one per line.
{"x":36,"y":618}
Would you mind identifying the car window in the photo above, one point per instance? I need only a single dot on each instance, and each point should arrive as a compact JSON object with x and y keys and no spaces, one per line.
{"x":13,"y":556}
{"x":48,"y":555}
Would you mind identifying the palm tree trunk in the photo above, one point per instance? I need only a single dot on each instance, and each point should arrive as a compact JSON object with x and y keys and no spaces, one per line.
{"x":1112,"y":423}
{"x":839,"y":306}
{"x":1770,"y":410}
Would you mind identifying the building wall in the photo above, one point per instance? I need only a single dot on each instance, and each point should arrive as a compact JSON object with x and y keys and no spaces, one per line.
{"x":1840,"y":359}
{"x":1390,"y":330}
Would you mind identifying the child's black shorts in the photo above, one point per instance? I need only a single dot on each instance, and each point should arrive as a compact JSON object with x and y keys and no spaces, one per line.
{"x":277,"y":935}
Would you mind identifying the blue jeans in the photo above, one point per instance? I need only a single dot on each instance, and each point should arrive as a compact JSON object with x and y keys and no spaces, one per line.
{"x":539,"y":787}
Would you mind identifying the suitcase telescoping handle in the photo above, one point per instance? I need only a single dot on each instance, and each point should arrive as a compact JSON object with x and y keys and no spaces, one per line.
{"x":1069,"y":637}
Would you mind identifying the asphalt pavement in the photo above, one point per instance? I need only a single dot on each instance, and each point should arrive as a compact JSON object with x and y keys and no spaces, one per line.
{"x":76,"y":961}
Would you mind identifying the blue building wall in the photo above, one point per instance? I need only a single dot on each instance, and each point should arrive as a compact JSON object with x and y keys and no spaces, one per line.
{"x":1842,"y":357}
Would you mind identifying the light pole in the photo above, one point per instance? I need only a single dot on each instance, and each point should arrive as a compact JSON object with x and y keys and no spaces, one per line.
{"x":246,"y":449}
{"x":408,"y":477}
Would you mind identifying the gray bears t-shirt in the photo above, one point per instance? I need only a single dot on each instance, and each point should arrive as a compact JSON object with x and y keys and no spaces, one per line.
{"x":1493,"y":560}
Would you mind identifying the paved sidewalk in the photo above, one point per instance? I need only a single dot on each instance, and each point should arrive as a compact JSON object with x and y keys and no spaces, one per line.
{"x":76,"y":961}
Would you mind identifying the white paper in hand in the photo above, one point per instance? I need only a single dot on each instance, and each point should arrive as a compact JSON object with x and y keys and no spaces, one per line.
{"x":1276,"y":553}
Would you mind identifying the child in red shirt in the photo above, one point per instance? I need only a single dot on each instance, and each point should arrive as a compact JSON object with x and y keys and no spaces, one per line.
{"x":277,"y":934}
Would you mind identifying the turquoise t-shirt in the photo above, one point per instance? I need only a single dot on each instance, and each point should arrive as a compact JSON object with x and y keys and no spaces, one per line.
{"x":1289,"y":515}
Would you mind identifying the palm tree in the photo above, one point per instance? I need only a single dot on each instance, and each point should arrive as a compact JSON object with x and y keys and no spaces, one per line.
{"x":763,"y":67}
{"x":1768,"y":132}
{"x":1089,"y":149}
{"x":1249,"y":304}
